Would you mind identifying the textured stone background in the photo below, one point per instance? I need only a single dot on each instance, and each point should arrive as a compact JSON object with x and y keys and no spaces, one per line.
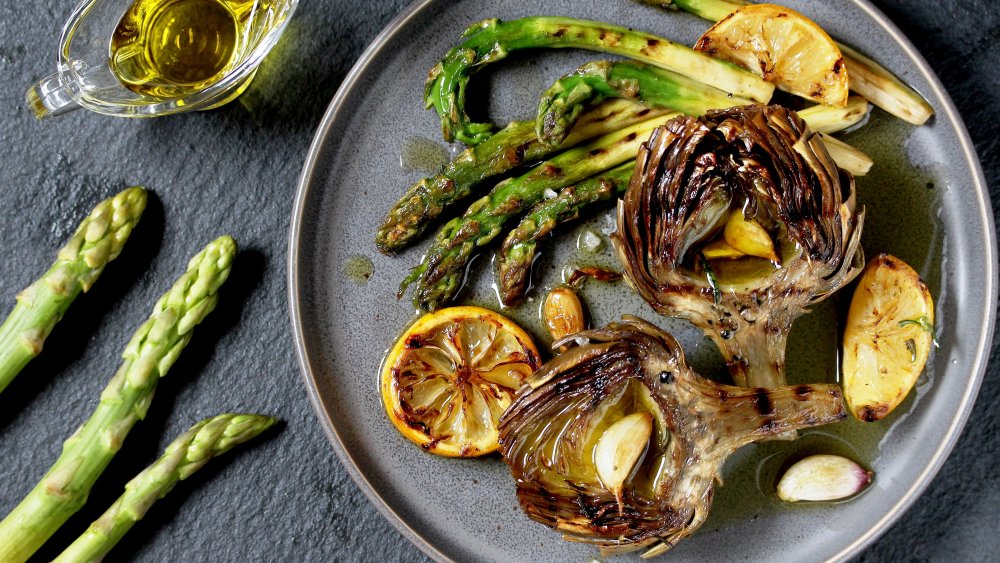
{"x":234,"y":170}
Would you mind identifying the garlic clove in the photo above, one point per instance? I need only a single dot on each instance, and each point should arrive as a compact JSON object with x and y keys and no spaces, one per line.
{"x":620,"y":448}
{"x":720,"y":249}
{"x":823,"y":477}
{"x":562,"y":312}
{"x":749,"y":237}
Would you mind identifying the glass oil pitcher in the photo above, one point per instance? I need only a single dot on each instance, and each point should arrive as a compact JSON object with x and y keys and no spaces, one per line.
{"x":142,"y":58}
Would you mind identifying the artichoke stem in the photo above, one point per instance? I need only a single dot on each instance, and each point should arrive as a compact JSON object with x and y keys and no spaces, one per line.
{"x":747,"y":415}
{"x":754,"y":352}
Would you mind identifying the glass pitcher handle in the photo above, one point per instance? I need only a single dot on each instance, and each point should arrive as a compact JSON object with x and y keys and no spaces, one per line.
{"x":50,"y":96}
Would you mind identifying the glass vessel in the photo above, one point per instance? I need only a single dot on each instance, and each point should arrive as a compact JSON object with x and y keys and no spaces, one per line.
{"x":143,"y":58}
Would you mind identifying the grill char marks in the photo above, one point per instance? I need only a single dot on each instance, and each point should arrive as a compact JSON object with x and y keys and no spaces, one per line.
{"x":690,"y":176}
{"x":548,"y":436}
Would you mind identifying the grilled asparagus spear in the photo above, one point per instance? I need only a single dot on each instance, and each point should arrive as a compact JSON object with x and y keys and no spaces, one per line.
{"x":830,"y":119}
{"x":882,"y":88}
{"x":596,"y":81}
{"x":98,"y":240}
{"x":492,"y":40}
{"x":847,"y":157}
{"x":713,"y":10}
{"x":513,"y":261}
{"x":514,"y":145}
{"x":154,"y":347}
{"x":188,"y":453}
{"x":657,"y":88}
{"x":867,"y":77}
{"x":439,"y":275}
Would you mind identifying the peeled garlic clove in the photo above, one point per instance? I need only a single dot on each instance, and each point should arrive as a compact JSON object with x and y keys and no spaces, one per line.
{"x":562,"y":312}
{"x":823,"y":477}
{"x":749,"y":237}
{"x":619,"y":448}
{"x":720,"y":249}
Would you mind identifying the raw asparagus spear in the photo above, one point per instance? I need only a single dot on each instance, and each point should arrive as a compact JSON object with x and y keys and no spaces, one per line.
{"x":596,"y":81}
{"x":514,"y":145}
{"x":513,"y":261}
{"x":492,"y":40}
{"x":98,"y":240}
{"x":867,"y":77}
{"x":154,"y":347}
{"x":185,"y":455}
{"x":439,"y":275}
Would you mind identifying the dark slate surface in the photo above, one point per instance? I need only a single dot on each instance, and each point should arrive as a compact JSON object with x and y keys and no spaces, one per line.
{"x":234,"y":170}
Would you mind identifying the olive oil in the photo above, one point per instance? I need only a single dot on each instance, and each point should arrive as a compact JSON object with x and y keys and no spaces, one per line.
{"x":903,"y":221}
{"x":359,"y":269}
{"x":423,"y":155}
{"x":172,"y":48}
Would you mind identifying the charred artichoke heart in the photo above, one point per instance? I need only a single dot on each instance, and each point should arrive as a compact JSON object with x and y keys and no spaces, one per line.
{"x":757,"y":183}
{"x":617,"y":442}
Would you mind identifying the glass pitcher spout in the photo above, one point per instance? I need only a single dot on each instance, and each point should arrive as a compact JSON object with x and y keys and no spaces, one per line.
{"x":52,"y":95}
{"x":61,"y":91}
{"x":75,"y":84}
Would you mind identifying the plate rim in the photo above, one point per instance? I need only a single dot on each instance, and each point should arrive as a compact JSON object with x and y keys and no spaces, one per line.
{"x":309,"y":379}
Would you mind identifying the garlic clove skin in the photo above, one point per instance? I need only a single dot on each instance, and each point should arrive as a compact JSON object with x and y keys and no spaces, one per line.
{"x":620,"y":448}
{"x":562,"y":313}
{"x":823,"y":477}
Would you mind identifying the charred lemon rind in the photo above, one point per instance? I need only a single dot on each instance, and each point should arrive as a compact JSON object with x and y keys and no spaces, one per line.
{"x":481,"y":405}
{"x":785,"y":48}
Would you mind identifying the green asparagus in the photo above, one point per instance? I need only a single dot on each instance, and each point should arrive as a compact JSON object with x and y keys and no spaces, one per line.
{"x":596,"y":81}
{"x":513,"y":261}
{"x":154,"y":347}
{"x":492,"y":40}
{"x":98,"y":240}
{"x":188,"y":453}
{"x":867,"y":77}
{"x":439,"y":275}
{"x":514,"y":145}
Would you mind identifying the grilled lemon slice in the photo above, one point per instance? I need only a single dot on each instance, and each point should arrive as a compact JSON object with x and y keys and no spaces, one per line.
{"x":784,"y":47}
{"x":452,"y":374}
{"x":889,"y":334}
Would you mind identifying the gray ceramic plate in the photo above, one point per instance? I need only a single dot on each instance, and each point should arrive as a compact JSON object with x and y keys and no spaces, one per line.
{"x":926,"y":204}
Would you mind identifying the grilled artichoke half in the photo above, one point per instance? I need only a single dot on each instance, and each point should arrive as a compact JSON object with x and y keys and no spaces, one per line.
{"x":690,"y":178}
{"x":551,"y":436}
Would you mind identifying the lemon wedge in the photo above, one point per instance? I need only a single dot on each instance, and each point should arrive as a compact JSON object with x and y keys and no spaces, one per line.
{"x":451,"y":375}
{"x":889,"y":334}
{"x":784,"y":47}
